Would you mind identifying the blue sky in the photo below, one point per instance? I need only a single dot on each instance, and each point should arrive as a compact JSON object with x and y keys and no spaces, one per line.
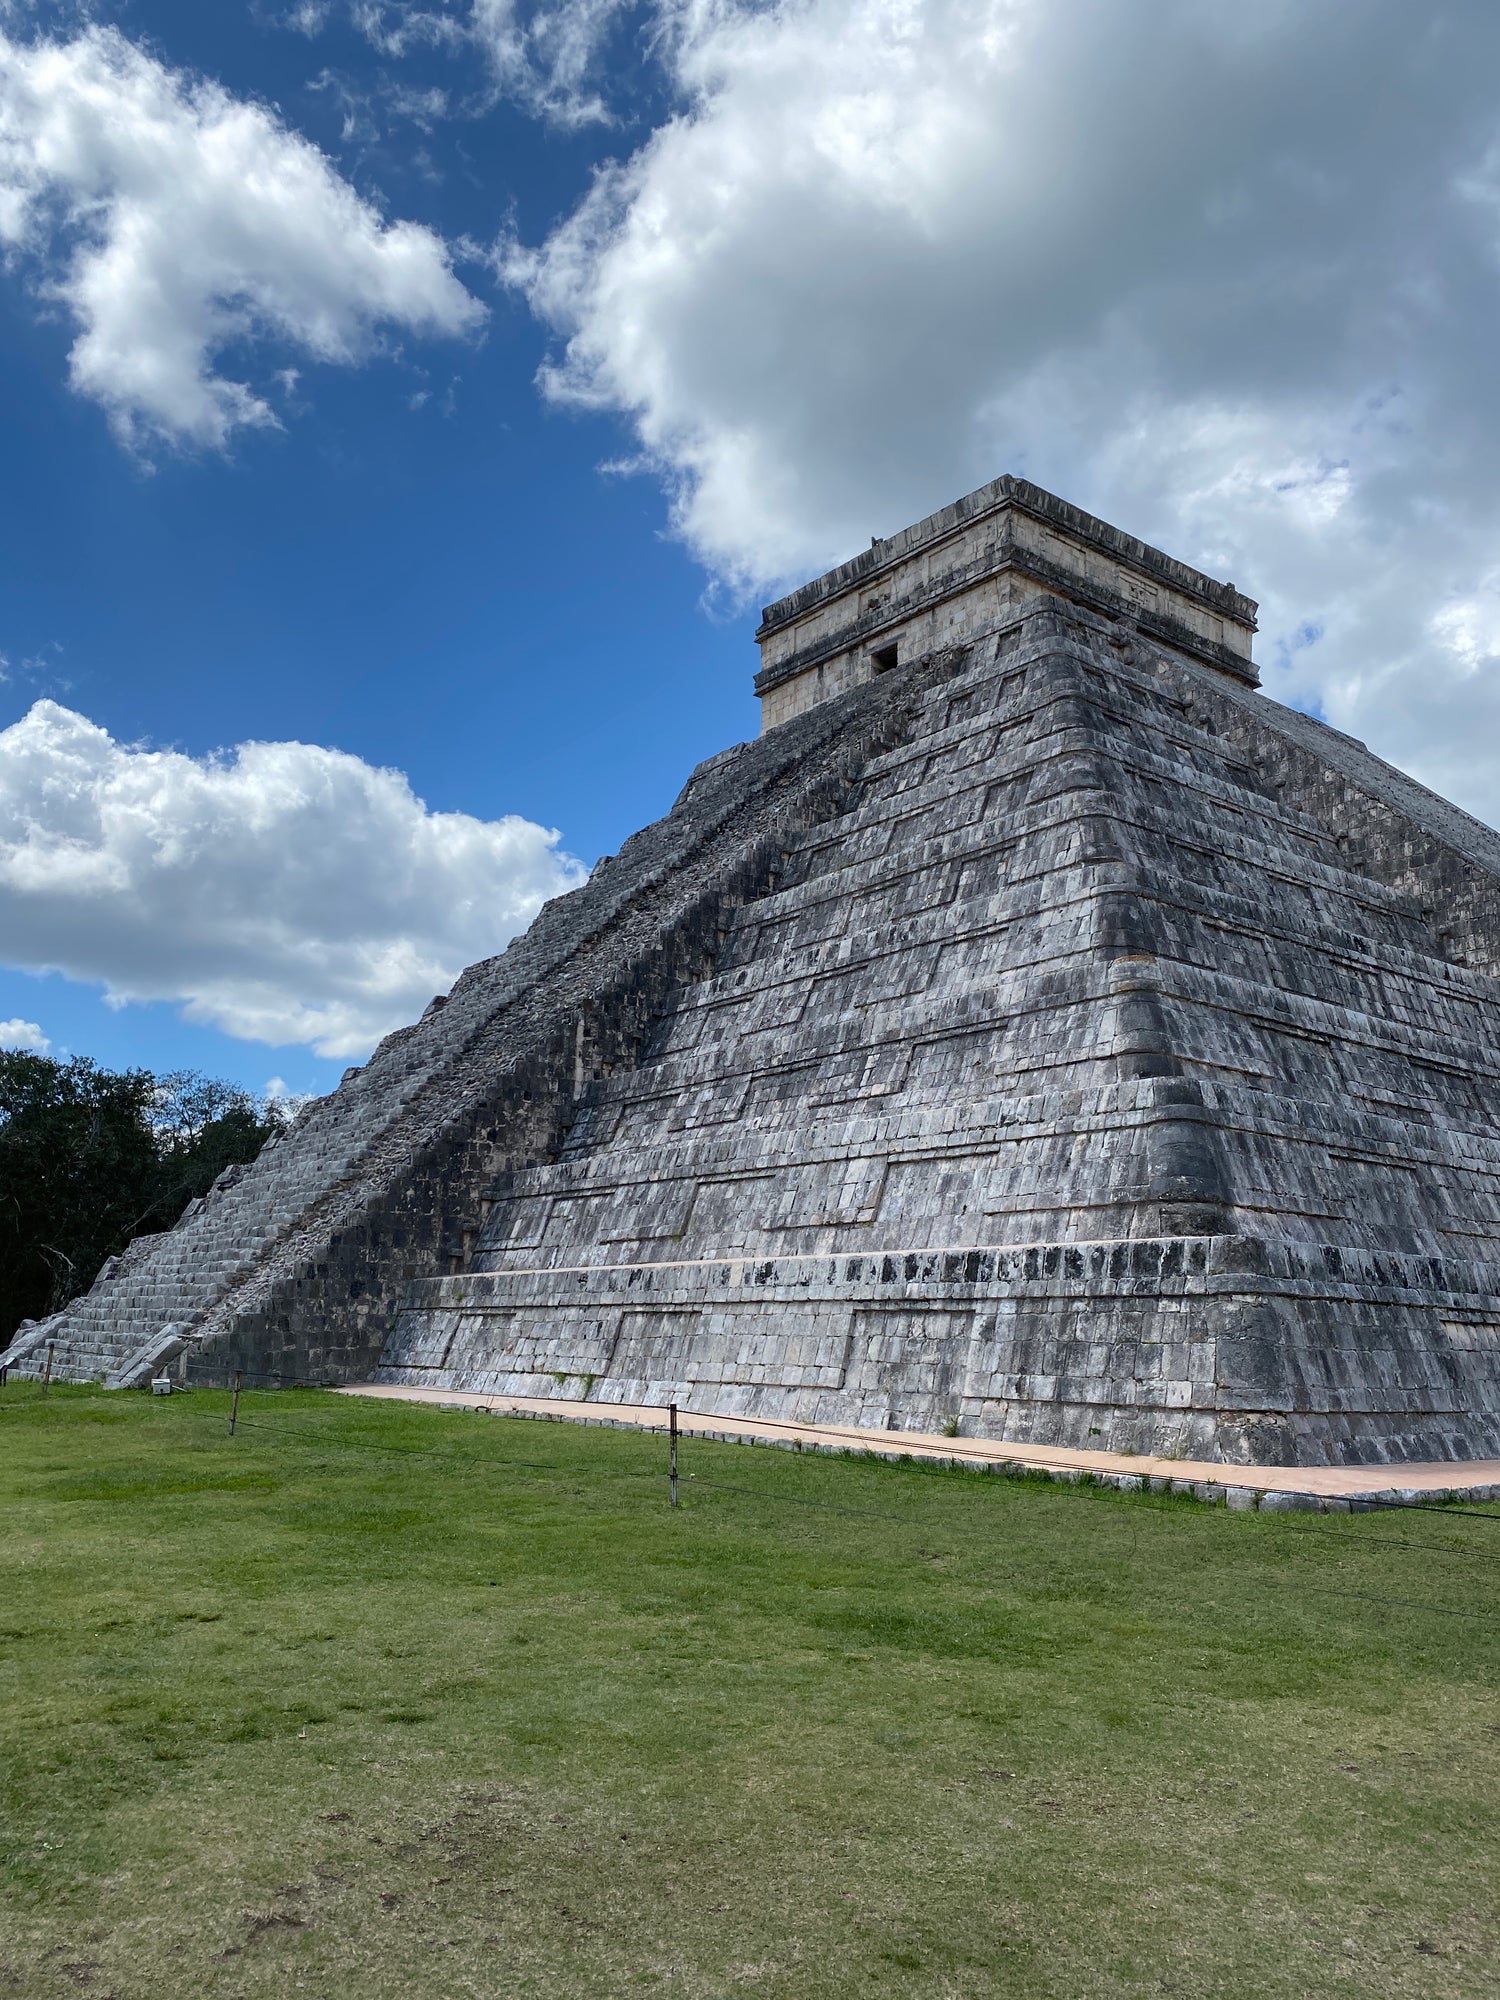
{"x":454,"y":590}
{"x":804,"y":271}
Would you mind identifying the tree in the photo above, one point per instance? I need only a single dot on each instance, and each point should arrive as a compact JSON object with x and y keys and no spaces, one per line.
{"x":90,"y":1158}
{"x":202,"y":1126}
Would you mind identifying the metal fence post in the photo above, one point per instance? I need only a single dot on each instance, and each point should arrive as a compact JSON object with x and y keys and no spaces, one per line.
{"x":234,"y":1407}
{"x":673,"y":1414}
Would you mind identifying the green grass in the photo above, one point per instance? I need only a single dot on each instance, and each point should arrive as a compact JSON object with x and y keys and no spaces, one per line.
{"x":382,"y":1701}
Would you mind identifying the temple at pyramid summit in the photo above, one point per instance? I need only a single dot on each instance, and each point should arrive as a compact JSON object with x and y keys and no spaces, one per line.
{"x":1037,"y":1033}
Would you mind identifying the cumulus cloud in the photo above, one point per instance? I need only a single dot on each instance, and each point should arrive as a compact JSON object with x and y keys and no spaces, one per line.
{"x":281,"y":892}
{"x":1228,"y":275}
{"x":172,"y":220}
{"x":19,"y":1034}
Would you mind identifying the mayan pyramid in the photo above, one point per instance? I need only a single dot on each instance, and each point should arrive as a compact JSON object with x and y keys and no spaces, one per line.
{"x":1037,"y":1031}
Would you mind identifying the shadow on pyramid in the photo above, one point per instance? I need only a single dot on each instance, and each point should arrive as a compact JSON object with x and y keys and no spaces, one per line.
{"x":1037,"y":1033}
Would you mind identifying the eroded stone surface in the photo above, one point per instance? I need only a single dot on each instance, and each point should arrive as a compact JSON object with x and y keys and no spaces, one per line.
{"x":1069,"y":1085}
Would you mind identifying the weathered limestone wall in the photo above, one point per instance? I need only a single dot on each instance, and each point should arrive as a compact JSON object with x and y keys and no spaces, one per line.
{"x":1383,"y":823}
{"x":1222,"y":1347}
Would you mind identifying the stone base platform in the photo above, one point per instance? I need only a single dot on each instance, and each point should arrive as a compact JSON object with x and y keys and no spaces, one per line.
{"x":1226,"y":1349}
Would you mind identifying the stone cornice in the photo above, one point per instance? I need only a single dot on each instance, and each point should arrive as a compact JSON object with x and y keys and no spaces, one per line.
{"x":997,"y":498}
{"x":861,"y":629}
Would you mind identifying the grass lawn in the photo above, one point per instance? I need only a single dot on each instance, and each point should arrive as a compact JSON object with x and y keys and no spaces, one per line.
{"x":374,"y":1700}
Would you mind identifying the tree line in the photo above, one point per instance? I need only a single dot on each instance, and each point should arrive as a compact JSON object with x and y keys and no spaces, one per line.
{"x":91,"y":1157}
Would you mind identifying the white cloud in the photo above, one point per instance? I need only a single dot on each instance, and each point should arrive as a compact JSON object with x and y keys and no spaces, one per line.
{"x":1228,"y":275}
{"x":547,"y":56}
{"x":544,"y":54}
{"x":396,"y":27}
{"x":308,"y":17}
{"x":19,"y":1034}
{"x":291,"y":1103}
{"x":174,"y":221}
{"x":282,"y":892}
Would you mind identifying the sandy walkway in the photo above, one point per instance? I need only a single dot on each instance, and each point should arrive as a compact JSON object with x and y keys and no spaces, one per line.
{"x":1274,"y":1486}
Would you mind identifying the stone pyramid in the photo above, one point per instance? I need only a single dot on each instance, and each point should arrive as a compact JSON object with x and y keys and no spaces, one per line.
{"x":1037,"y":1032}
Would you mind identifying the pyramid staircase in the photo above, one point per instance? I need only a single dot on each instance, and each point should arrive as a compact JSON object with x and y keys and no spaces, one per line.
{"x":291,"y":1269}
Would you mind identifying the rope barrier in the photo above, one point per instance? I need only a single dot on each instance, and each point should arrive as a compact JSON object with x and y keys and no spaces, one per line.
{"x":286,"y":1434}
{"x":303,"y":1436}
{"x":1364,"y":1545}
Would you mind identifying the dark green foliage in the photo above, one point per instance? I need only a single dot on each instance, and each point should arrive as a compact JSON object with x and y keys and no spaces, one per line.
{"x":202,"y":1126}
{"x":77,"y":1152}
{"x":91,"y":1157}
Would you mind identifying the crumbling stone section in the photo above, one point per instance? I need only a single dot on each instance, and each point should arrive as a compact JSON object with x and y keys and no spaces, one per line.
{"x":1384,"y":823}
{"x":291,"y":1268}
{"x":1072,"y":1085}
